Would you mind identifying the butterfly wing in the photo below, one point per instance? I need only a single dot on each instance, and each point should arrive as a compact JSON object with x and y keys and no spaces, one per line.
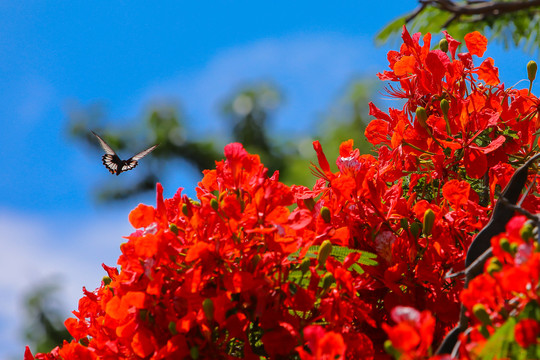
{"x":142,"y":154}
{"x":134,"y":161}
{"x":112,"y":163}
{"x":108,"y":150}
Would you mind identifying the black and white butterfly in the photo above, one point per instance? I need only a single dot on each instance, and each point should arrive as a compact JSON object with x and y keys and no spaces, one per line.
{"x":114,"y":164}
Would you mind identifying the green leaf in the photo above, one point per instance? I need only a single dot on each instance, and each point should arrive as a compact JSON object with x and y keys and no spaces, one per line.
{"x":389,"y":30}
{"x":498,"y":345}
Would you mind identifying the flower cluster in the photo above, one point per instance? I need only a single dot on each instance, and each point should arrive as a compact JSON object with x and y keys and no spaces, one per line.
{"x":256,"y":269}
{"x":503,"y":304}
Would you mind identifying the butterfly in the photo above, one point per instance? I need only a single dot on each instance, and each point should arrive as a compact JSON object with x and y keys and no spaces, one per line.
{"x":114,"y":164}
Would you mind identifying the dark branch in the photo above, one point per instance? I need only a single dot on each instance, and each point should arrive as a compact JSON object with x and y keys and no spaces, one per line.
{"x":485,"y":8}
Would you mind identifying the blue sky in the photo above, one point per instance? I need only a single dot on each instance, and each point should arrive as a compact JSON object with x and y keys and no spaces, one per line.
{"x":128,"y":55}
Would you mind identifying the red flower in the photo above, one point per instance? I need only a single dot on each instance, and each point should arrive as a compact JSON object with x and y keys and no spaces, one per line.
{"x":322,"y":345}
{"x":526,"y":332}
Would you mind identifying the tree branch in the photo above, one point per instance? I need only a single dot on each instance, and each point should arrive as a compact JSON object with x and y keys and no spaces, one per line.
{"x":484,"y":8}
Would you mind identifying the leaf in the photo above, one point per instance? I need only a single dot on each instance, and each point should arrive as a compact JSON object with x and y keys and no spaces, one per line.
{"x":498,"y":344}
{"x":390,"y":30}
{"x":339,"y":253}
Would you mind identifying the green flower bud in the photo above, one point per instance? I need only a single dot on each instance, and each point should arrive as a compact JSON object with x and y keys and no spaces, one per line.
{"x":325,"y":214}
{"x":415,"y":228}
{"x":255,"y":260}
{"x":194,"y":352}
{"x":304,"y":266}
{"x":173,"y":228}
{"x":443,"y":45}
{"x":494,"y":265}
{"x":481,"y":314}
{"x":324,"y":251}
{"x":526,"y":231}
{"x":484,"y":331}
{"x":421,"y":116}
{"x":143,"y":315}
{"x":445,"y":106}
{"x":172,"y":328}
{"x":513,"y":248}
{"x":404,"y":223}
{"x":106,"y":280}
{"x":505,"y":244}
{"x":429,"y":220}
{"x":327,"y":281}
{"x":214,"y":204}
{"x":185,"y":209}
{"x":531,"y":70}
{"x":391,"y":350}
{"x":208,"y":309}
{"x":310,"y":203}
{"x":84,"y":341}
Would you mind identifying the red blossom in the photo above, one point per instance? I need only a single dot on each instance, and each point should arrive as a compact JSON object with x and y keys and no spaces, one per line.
{"x":526,"y":332}
{"x":237,"y":273}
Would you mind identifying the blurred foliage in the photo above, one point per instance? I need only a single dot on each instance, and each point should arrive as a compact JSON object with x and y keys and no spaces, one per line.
{"x":510,"y":22}
{"x":248,"y":115}
{"x":45,"y":328}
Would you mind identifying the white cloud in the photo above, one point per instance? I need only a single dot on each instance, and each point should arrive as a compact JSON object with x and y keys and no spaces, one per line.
{"x":38,"y":248}
{"x":312,"y":71}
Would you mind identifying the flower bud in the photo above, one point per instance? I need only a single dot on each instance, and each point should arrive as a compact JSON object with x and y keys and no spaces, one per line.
{"x":255,"y":260}
{"x":531,"y":70}
{"x":173,"y":228}
{"x":327,"y":281}
{"x":443,"y":45}
{"x":194,"y":352}
{"x":208,"y":309}
{"x":143,"y":315}
{"x":185,"y":209}
{"x":445,"y":106}
{"x":324,"y":251}
{"x":304,"y":266}
{"x":429,"y":220}
{"x":172,"y":328}
{"x":481,"y":314}
{"x":391,"y":350}
{"x":421,"y":116}
{"x":106,"y":280}
{"x":526,"y":231}
{"x":415,"y":228}
{"x":513,"y":248}
{"x":310,"y":203}
{"x":404,"y":223}
{"x":214,"y":204}
{"x":84,"y":341}
{"x":494,"y":265}
{"x":504,"y":244}
{"x":325,"y":214}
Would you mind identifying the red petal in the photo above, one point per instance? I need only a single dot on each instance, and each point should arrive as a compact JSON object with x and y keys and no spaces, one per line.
{"x":476,"y":43}
{"x":323,"y":162}
{"x":488,"y":72}
{"x":377,"y":131}
{"x":475,"y":163}
{"x":141,"y":216}
{"x":452,"y":44}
